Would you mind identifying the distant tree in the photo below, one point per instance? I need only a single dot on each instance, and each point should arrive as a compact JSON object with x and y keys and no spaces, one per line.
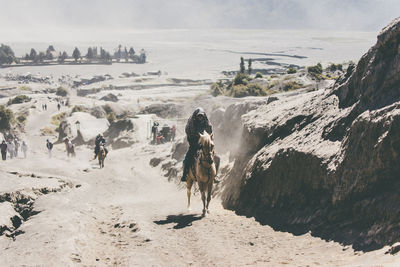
{"x":126,"y":54}
{"x":6,"y":55}
{"x":26,"y":57}
{"x":89,"y":54}
{"x":76,"y":54}
{"x":108,"y":57}
{"x":41,"y":57}
{"x":242,"y":67}
{"x":33,"y":55}
{"x":131,"y":52}
{"x":118,"y":54}
{"x":102,"y":54}
{"x":95,"y":54}
{"x":62,"y":57}
{"x":249,"y":69}
{"x":49,"y":52}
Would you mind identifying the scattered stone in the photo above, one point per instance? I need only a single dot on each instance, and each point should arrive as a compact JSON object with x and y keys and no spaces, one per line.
{"x":110,"y":97}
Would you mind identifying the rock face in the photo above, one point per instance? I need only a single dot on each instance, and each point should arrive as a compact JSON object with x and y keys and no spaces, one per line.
{"x":163,"y":110}
{"x":120,"y":134}
{"x":327,"y":161}
{"x":64,"y":130}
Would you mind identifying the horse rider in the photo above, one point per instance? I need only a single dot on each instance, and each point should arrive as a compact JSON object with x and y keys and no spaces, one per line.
{"x":97,"y":142}
{"x":196,"y":124}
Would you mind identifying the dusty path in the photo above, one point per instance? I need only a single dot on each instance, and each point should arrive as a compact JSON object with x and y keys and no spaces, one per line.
{"x":128,"y":214}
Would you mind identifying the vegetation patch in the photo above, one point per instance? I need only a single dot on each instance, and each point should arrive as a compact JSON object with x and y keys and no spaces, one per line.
{"x":291,"y":70}
{"x":58,"y":118}
{"x":18,"y":100}
{"x":47,"y":131}
{"x":24,"y":88}
{"x":78,"y":108}
{"x":6,"y":118}
{"x":293,"y":85}
{"x":61,"y":91}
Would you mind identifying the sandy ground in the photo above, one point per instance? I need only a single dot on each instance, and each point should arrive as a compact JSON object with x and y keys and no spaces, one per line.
{"x":128,"y":214}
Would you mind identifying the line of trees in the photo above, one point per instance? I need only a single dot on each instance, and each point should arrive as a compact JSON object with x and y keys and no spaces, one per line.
{"x":7,"y":55}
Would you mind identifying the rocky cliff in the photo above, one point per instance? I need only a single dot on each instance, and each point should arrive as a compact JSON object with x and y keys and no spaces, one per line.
{"x":327,"y":161}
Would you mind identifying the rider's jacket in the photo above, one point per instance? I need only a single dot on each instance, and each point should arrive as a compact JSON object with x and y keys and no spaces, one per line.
{"x":100,"y":140}
{"x":194,"y":127}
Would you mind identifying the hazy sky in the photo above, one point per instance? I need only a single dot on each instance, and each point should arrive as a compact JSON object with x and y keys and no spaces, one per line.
{"x":364,"y":15}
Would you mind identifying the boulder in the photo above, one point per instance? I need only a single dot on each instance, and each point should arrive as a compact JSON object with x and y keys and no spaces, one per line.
{"x":110,"y":97}
{"x":9,"y":218}
{"x":64,"y":130}
{"x":121,"y":133}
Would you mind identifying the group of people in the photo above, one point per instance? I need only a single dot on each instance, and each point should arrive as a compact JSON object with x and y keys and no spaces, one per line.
{"x":165,"y":134}
{"x":12,"y":147}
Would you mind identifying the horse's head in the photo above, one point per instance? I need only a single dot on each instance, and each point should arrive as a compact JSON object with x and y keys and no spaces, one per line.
{"x":207,"y":147}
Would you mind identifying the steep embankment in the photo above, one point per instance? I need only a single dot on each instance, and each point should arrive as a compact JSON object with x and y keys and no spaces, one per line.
{"x":328,"y":161}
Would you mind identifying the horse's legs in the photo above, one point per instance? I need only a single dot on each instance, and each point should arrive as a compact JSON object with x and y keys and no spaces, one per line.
{"x":209,"y":191}
{"x":203,"y":196}
{"x":189,"y":183}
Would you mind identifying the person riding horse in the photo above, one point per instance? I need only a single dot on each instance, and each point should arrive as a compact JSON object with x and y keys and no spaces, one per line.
{"x":197,"y":123}
{"x":99,"y":141}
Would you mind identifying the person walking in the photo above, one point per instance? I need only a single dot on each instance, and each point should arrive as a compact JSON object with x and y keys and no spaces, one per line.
{"x":16,"y":147}
{"x":24,"y":148}
{"x":58,"y":106}
{"x":49,"y":146}
{"x":11,"y":148}
{"x":3,"y":149}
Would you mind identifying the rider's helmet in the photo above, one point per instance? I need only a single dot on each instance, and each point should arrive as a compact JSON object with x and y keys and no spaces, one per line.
{"x":47,"y":140}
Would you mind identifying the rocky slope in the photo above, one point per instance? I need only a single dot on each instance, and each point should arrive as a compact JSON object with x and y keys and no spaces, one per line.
{"x":327,"y":161}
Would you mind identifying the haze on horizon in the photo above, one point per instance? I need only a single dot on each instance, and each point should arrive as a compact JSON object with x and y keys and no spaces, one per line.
{"x":354,"y":15}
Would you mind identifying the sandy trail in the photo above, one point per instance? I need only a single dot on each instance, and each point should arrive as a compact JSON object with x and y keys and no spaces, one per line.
{"x":128,"y":214}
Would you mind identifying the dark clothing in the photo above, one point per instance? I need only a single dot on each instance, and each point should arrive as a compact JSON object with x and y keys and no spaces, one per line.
{"x":49,"y":145}
{"x":100,"y":140}
{"x":3,"y":148}
{"x":193,"y":129}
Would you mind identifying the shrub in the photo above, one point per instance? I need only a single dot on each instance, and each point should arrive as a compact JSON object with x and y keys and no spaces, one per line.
{"x":56,"y":119}
{"x":21,"y":118}
{"x":107,"y":109}
{"x":25,"y":88}
{"x":317,"y":69}
{"x":290,"y":86}
{"x":291,"y":70}
{"x":241,"y":78}
{"x":334,"y":67}
{"x":61,"y":91}
{"x":19,"y":99}
{"x":258,"y":75}
{"x":6,"y":118}
{"x":111,"y":117}
{"x":217,"y":89}
{"x":78,"y":108}
{"x":248,"y":90}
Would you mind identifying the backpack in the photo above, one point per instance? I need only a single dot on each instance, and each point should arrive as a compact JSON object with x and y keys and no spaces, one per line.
{"x":50,"y":145}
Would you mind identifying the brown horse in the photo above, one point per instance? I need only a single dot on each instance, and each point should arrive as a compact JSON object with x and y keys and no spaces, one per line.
{"x":69,"y":147}
{"x":203,"y":171}
{"x":101,"y":155}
